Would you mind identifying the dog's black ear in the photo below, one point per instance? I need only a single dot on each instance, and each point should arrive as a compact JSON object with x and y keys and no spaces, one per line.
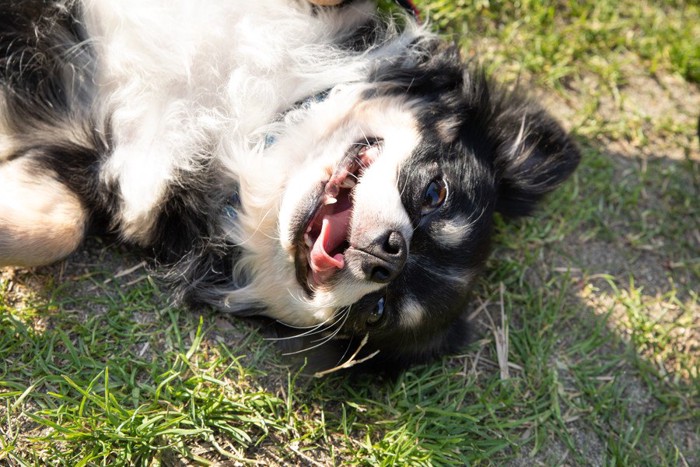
{"x":533,"y":153}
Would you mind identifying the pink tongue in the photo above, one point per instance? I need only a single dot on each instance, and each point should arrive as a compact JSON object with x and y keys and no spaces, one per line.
{"x":333,"y":233}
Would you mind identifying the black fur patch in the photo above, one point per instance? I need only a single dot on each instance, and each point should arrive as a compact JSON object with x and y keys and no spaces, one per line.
{"x":497,"y":151}
{"x":43,"y":46}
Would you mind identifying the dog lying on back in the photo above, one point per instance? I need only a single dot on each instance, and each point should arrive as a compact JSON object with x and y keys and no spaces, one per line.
{"x":311,"y":164}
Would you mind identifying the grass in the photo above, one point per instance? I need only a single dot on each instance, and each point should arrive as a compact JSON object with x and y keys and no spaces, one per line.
{"x":598,"y":294}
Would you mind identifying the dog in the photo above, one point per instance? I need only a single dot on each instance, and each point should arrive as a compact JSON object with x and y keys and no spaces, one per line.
{"x":305,"y":161}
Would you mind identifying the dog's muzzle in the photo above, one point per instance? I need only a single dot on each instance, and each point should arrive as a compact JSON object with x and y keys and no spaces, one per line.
{"x":321,"y":238}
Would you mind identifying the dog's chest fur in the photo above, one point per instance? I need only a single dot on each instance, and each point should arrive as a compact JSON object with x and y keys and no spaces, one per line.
{"x":180,"y":84}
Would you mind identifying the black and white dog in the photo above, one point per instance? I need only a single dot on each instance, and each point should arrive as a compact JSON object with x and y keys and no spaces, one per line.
{"x":312,"y":164}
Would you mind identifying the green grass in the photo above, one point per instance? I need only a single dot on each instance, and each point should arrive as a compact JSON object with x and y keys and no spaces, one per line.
{"x":598,"y":293}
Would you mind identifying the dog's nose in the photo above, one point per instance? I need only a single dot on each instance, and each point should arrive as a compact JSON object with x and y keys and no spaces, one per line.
{"x":386,"y":257}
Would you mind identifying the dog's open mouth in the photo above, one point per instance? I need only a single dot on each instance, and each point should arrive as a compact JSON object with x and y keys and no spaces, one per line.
{"x":323,"y":238}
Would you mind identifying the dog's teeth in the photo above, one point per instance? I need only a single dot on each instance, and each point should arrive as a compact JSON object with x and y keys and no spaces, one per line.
{"x":329,"y":200}
{"x":309,"y":242}
{"x":332,"y":189}
{"x":348,"y":183}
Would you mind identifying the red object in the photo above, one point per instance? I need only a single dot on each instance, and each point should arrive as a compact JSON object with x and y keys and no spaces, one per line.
{"x":409,"y":6}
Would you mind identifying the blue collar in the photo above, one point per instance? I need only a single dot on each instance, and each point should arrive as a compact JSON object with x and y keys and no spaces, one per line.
{"x":302,"y":104}
{"x":233,"y":203}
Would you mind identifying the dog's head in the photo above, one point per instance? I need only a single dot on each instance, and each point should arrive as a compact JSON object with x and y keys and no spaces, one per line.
{"x":386,"y":218}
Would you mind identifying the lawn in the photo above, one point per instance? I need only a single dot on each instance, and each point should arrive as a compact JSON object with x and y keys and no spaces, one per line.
{"x":587,"y":342}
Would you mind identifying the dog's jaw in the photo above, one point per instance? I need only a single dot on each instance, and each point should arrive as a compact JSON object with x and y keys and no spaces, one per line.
{"x":323,"y":224}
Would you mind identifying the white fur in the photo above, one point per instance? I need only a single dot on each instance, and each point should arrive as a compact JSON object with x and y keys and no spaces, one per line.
{"x":452,"y":232}
{"x":412,"y":313}
{"x":181,"y":81}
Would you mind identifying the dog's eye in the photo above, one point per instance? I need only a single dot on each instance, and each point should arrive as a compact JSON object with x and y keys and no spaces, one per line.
{"x":434,"y":196}
{"x":376,"y":314}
